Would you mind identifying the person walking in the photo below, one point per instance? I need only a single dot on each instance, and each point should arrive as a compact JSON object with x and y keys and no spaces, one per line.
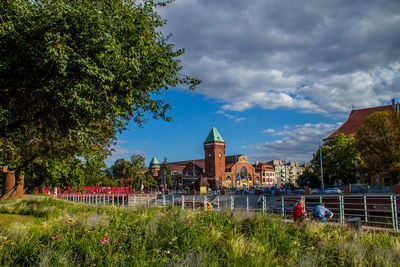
{"x":299,"y":213}
{"x":319,"y":213}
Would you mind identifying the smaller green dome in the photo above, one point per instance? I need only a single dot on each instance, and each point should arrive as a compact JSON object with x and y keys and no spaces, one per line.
{"x":154,"y":163}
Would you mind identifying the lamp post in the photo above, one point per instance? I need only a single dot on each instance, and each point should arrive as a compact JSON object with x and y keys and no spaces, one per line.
{"x":322,"y":172}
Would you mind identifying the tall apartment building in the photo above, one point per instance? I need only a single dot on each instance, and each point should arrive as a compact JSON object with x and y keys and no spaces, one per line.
{"x":286,"y":172}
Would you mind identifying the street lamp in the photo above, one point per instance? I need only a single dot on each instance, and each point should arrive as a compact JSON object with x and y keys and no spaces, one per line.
{"x":322,"y":172}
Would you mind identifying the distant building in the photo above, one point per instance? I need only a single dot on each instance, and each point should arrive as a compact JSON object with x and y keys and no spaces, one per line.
{"x":221,"y":171}
{"x":287,"y":172}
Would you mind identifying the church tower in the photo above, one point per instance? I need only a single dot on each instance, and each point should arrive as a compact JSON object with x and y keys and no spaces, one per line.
{"x":154,"y":167}
{"x":214,"y":150}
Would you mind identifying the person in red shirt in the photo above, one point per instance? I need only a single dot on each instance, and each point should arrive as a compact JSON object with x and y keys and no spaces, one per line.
{"x":299,"y":213}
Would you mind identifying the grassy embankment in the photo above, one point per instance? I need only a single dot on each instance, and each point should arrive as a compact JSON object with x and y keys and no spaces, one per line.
{"x":53,"y":233}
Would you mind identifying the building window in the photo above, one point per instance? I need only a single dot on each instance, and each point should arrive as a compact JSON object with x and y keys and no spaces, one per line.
{"x":243,"y":172}
{"x":228,"y":179}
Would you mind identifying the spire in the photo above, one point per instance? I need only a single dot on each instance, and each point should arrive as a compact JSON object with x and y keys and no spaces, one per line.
{"x":154,"y":163}
{"x":214,"y":136}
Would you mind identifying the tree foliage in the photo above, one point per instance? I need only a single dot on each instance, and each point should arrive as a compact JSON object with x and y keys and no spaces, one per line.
{"x":165,"y":174}
{"x":73,"y":73}
{"x":309,"y":178}
{"x":340,"y":160}
{"x":135,"y":168}
{"x":378,"y":141}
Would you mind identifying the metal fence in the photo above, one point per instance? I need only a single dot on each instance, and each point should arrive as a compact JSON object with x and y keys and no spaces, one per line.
{"x":373,"y":210}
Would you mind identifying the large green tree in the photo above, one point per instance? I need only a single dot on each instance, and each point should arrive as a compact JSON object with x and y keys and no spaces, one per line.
{"x":340,"y":160}
{"x":73,"y":73}
{"x":135,"y":168}
{"x":378,"y":141}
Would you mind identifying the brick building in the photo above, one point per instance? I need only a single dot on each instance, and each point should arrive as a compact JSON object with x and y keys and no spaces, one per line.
{"x":220,"y":171}
{"x":350,"y":127}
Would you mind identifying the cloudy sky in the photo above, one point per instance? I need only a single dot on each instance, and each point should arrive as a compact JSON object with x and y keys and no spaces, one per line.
{"x":277,"y":75}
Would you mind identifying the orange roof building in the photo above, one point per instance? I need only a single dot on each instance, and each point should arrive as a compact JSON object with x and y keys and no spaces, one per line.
{"x":355,"y":120}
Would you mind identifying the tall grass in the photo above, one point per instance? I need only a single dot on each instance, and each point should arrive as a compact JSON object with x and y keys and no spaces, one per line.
{"x":75,"y":234}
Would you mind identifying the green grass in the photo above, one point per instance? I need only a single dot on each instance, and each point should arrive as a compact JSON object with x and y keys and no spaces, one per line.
{"x":7,"y":219}
{"x":59,"y":233}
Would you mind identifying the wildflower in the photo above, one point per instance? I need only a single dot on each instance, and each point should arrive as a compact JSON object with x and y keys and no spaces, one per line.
{"x":54,"y":237}
{"x":104,"y":239}
{"x":122,"y":233}
{"x":42,"y":245}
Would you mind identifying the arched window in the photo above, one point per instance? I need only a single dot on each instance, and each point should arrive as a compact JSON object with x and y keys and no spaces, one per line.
{"x":228,"y":179}
{"x":243,"y":172}
{"x":257,"y":180}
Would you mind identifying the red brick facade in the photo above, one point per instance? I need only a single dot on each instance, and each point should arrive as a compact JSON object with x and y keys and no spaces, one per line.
{"x":214,"y":156}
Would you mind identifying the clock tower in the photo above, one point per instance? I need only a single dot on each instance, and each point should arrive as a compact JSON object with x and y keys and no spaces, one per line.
{"x":214,"y":150}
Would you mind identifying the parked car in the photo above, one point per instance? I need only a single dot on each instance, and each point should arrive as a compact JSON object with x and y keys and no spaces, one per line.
{"x":332,"y":191}
{"x":315,"y":191}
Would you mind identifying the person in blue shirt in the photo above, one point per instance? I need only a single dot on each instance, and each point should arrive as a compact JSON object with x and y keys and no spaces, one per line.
{"x":320,"y":211}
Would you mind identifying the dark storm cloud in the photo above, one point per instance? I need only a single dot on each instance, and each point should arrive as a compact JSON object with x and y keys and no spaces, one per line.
{"x":316,"y":56}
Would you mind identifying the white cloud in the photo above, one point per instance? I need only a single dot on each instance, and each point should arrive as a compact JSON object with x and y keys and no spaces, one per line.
{"x":299,"y":142}
{"x":231,"y":117}
{"x":269,"y":131}
{"x":314,"y":56}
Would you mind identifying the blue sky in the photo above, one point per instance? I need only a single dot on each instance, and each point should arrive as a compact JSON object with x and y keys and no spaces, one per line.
{"x":277,"y":75}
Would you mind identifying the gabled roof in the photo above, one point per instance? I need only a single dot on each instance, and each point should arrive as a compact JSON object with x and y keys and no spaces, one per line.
{"x":355,"y":120}
{"x":180,"y":165}
{"x":214,"y":136}
{"x":232,"y":158}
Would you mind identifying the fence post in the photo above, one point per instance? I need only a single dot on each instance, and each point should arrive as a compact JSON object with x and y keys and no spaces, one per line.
{"x":320,"y":199}
{"x":263,"y":204}
{"x":232,"y":203}
{"x":173,"y":200}
{"x":183,"y":202}
{"x":163,"y":200}
{"x":340,"y":209}
{"x":247,"y":203}
{"x":205,"y":203}
{"x":283,"y":206}
{"x":365,"y":208}
{"x":134,"y":201}
{"x":219,"y":204}
{"x":123,"y":199}
{"x":148,"y":200}
{"x":392,"y":208}
{"x":396,"y":220}
{"x":194,"y":199}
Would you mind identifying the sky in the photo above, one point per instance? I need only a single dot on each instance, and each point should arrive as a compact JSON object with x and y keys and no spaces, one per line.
{"x":277,"y":76}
